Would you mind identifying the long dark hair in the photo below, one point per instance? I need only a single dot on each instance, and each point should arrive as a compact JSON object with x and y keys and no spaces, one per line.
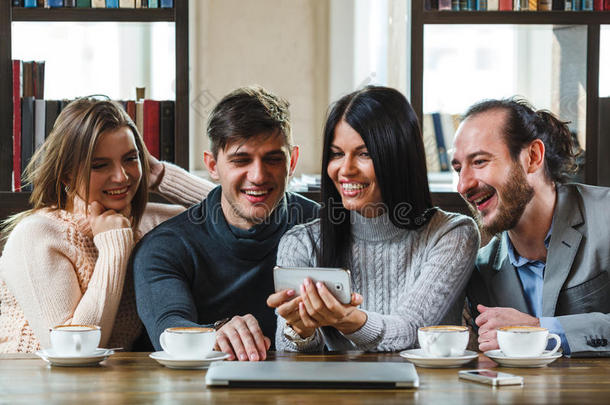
{"x":524,"y":124}
{"x":390,"y":130}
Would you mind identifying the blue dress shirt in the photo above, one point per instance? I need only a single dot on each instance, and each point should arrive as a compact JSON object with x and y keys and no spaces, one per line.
{"x":531,"y":274}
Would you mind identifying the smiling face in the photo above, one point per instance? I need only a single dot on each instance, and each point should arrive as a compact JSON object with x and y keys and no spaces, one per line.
{"x":253,"y":177}
{"x":115,"y":170}
{"x":492,"y":183}
{"x":351,"y":169}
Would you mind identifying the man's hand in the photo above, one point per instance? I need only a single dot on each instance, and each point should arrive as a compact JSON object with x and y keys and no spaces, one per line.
{"x":242,"y":338}
{"x":490,"y":319}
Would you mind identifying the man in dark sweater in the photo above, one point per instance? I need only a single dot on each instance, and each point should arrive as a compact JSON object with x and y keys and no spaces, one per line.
{"x":214,"y":262}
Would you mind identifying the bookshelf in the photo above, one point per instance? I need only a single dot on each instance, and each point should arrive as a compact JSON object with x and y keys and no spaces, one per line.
{"x":591,"y":20}
{"x":12,"y":202}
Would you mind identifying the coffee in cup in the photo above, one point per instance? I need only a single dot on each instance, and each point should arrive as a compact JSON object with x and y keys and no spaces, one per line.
{"x":75,"y":340}
{"x":443,"y":340}
{"x":188,"y":342}
{"x":525,"y":341}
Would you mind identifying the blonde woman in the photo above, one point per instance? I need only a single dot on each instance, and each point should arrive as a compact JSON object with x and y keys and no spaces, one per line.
{"x":65,"y":260}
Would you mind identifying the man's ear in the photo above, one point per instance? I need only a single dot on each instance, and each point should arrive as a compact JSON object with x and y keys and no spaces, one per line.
{"x":294,"y":157}
{"x":535,"y":156}
{"x":210,"y":162}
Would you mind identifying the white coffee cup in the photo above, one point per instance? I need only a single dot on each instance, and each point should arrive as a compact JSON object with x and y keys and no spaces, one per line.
{"x":188,"y":342}
{"x":443,"y":340}
{"x":75,"y":340}
{"x":525,"y":341}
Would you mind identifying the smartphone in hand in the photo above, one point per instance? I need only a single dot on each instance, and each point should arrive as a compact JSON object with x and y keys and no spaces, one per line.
{"x":337,"y":280}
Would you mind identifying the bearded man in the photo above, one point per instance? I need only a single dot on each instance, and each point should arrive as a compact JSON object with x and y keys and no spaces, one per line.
{"x":548,"y":259}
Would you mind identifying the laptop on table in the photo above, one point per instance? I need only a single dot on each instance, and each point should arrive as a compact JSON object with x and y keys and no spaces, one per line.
{"x":312,"y":374}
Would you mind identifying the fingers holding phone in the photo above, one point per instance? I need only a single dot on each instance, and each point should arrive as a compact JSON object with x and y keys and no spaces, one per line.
{"x":324,"y":308}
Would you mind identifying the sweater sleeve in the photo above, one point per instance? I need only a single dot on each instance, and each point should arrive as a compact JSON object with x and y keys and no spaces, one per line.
{"x":161,"y":268}
{"x":296,"y":250}
{"x":450,"y":252}
{"x":43,"y":279}
{"x":182,"y":187}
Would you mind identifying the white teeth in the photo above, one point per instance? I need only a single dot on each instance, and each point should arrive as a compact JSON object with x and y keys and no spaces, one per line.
{"x":256,"y":192}
{"x":115,"y":192}
{"x":478,"y":200}
{"x":352,"y":186}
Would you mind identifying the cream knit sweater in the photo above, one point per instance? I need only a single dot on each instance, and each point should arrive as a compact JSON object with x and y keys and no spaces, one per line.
{"x":53,"y":271}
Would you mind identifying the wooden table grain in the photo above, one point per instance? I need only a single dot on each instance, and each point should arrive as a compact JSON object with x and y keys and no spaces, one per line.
{"x":135,"y":378}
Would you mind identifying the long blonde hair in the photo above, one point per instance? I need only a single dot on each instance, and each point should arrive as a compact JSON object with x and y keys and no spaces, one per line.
{"x":62,"y":164}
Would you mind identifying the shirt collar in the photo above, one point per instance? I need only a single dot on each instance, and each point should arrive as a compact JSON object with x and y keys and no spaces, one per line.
{"x":514,"y":257}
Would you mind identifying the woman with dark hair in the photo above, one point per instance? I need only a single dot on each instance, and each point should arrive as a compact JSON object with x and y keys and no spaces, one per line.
{"x":409,"y":260}
{"x":65,"y":260}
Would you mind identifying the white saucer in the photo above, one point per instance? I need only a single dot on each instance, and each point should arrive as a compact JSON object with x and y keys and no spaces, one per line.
{"x":421,"y":359}
{"x":537,"y":361}
{"x":201,"y":363}
{"x":91,"y":359}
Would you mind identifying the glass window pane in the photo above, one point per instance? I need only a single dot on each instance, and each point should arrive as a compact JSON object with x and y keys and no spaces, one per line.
{"x":102,"y":57}
{"x":464,"y":64}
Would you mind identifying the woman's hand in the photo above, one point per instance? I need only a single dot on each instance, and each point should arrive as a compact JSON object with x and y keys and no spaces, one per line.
{"x":319,"y":307}
{"x":156,"y":172}
{"x":102,"y":220}
{"x":288,"y":308}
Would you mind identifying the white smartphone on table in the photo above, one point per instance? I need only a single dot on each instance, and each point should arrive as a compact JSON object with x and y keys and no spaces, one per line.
{"x":491,"y":377}
{"x":337,"y":280}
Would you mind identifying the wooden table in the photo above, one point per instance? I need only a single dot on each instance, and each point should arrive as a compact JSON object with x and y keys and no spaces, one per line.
{"x":135,"y":378}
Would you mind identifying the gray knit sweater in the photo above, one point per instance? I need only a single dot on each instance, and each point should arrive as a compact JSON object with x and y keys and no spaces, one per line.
{"x":408,"y":278}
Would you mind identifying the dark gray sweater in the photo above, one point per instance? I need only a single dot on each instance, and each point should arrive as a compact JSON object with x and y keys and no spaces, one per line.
{"x":196,"y":269}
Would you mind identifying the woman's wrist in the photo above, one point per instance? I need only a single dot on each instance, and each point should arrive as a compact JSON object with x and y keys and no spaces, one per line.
{"x":353,"y":322}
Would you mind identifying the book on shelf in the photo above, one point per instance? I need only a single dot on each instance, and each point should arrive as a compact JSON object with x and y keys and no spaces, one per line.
{"x":545,"y":5}
{"x":150,"y":126}
{"x":166,"y":130}
{"x":505,"y":5}
{"x":54,"y":3}
{"x":438,"y":131}
{"x":98,"y":3}
{"x":39,"y":122}
{"x":127,"y":3}
{"x":83,"y":3}
{"x":51,"y":113}
{"x":517,"y":5}
{"x":29,"y":3}
{"x":17,"y":94}
{"x":38,"y":79}
{"x":69,"y":3}
{"x":443,"y":158}
{"x":166,"y":3}
{"x":112,"y":3}
{"x":27,"y":132}
{"x":429,"y":137}
{"x":17,"y":3}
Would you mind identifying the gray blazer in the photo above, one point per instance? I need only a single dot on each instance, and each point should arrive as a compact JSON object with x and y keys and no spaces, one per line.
{"x":576,"y":285}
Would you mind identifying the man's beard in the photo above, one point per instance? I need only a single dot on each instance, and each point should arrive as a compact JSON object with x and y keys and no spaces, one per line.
{"x":516,"y":194}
